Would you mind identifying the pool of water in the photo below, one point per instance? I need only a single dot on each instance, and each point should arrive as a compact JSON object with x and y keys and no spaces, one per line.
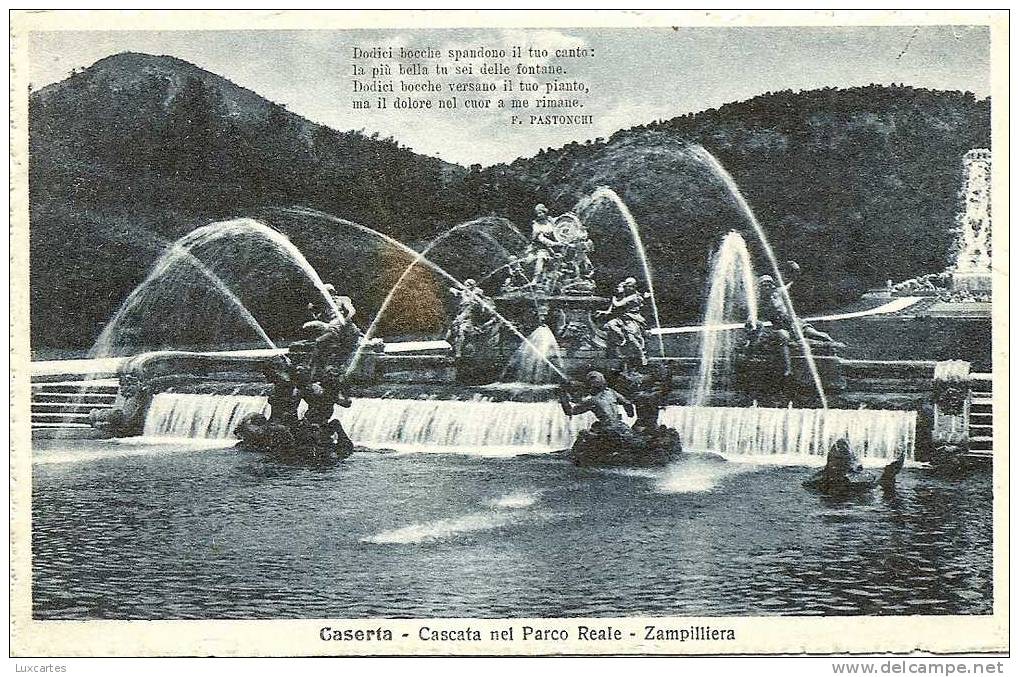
{"x":163,"y":531}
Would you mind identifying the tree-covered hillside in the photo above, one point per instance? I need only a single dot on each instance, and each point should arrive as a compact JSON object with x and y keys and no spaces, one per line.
{"x":135,"y":151}
{"x":858,"y":185}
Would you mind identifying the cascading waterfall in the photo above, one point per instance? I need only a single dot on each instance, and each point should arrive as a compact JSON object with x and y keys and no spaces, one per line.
{"x":531,"y":362}
{"x":755,"y":431}
{"x":732,"y":297}
{"x":199,"y":416}
{"x":495,"y":428}
{"x":973,"y":253}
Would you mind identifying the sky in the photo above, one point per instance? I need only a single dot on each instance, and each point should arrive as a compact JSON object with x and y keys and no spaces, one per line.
{"x":636,"y":75}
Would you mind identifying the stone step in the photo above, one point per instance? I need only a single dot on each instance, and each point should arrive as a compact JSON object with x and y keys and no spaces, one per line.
{"x":887,"y":369}
{"x":72,"y":387}
{"x":979,"y":453}
{"x":981,"y":401}
{"x":982,"y":426}
{"x":73,"y":397}
{"x":45,"y":424}
{"x":59,"y":416}
{"x":980,"y":442}
{"x":71,"y":406}
{"x":405,"y":360}
{"x":889,"y":385}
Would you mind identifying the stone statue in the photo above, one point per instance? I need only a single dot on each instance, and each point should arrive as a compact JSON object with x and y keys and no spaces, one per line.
{"x":474,"y":321}
{"x":317,"y":437}
{"x":774,"y":308}
{"x":283,"y":396}
{"x":577,"y":271}
{"x":543,"y":245}
{"x":127,"y":416}
{"x":843,"y":473}
{"x":516,"y":279}
{"x":624,"y":323}
{"x":321,"y":396}
{"x":603,"y":402}
{"x":336,"y":336}
{"x":610,"y":441}
{"x":256,"y":433}
{"x":560,"y":249}
{"x":648,"y":388}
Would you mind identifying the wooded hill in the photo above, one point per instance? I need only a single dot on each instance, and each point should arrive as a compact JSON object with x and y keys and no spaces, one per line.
{"x":858,"y":185}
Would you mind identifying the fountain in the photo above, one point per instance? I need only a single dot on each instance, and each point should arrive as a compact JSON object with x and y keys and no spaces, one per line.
{"x":732,"y":298}
{"x":967,"y":278}
{"x":550,"y":291}
{"x":540,"y":323}
{"x":972,"y":268}
{"x":479,"y":300}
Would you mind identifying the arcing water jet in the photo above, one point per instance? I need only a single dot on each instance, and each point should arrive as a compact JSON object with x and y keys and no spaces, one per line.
{"x":314,"y":213}
{"x":165,"y":271}
{"x":421,"y":256}
{"x":719,"y":171}
{"x":605,"y":193}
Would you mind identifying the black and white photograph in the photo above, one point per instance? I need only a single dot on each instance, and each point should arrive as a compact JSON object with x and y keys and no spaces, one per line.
{"x":614,"y":335}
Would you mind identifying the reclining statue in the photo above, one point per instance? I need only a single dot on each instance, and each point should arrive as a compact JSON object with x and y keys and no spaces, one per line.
{"x":127,"y":416}
{"x":256,"y":433}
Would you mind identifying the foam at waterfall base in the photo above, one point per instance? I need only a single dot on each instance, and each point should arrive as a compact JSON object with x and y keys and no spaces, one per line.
{"x":517,"y":499}
{"x":438,"y":530}
{"x":695,"y":475}
{"x":127,"y":447}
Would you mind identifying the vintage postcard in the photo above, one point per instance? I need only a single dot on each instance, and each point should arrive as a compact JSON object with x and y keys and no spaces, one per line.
{"x":509,"y":333}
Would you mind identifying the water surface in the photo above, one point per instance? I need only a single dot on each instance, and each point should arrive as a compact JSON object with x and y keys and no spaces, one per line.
{"x":145,"y":532}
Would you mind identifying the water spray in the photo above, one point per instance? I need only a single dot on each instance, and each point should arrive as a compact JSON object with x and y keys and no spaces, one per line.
{"x":716,"y":167}
{"x":314,"y":213}
{"x":605,"y":193}
{"x":177,"y":253}
{"x":370,"y":331}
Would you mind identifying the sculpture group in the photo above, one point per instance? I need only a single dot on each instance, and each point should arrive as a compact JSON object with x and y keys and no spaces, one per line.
{"x":554,"y":283}
{"x":315,"y":436}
